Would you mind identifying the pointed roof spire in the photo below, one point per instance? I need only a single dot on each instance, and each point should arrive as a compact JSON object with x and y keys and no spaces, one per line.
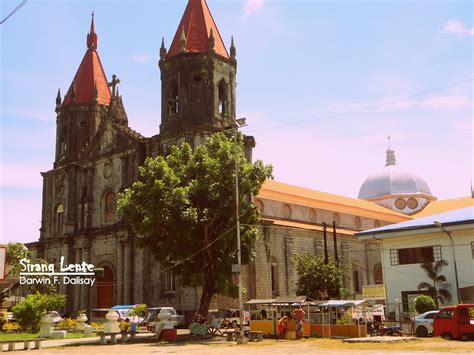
{"x":212,"y":41}
{"x":182,"y":41}
{"x":90,"y":82}
{"x":162,"y":48}
{"x":92,"y":36}
{"x":390,"y":154}
{"x":196,"y":23}
{"x":233,"y":51}
{"x":58,"y":98}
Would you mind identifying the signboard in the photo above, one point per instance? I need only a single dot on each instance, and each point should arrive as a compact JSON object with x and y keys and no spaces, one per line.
{"x":3,"y":262}
{"x":374,"y":292}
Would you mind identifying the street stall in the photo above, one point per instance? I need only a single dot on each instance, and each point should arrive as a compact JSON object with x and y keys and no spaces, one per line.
{"x":265,"y":313}
{"x":331,"y":319}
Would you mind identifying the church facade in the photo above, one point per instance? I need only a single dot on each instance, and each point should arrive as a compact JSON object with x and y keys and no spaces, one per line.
{"x":98,"y":155}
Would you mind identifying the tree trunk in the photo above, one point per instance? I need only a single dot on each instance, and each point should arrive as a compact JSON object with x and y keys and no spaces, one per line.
{"x":208,"y":292}
{"x":209,"y":289}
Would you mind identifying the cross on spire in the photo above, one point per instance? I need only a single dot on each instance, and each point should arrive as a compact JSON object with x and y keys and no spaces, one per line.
{"x":113,"y":84}
{"x":389,"y":145}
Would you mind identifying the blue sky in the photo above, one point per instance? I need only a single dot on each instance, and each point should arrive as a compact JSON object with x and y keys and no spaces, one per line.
{"x":334,"y":63}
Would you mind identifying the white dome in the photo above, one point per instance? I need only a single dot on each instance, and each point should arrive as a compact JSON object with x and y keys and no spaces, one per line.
{"x":392,"y":180}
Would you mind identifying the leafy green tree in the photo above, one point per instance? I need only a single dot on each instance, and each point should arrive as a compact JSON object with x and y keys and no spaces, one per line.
{"x":424,"y":303}
{"x":183,"y":210}
{"x":316,"y":279}
{"x":15,"y":253}
{"x":29,"y":311}
{"x":432,"y":270}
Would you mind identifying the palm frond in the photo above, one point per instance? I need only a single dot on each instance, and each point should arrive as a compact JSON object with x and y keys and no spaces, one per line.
{"x":440,"y":278}
{"x":444,"y":294}
{"x":425,"y":286}
{"x":439,"y":265}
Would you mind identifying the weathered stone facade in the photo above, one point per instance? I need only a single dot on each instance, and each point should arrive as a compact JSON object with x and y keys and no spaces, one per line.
{"x":98,"y":155}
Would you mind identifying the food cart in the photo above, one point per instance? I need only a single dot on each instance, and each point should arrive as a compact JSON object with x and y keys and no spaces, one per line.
{"x":322,"y":319}
{"x":265,"y":313}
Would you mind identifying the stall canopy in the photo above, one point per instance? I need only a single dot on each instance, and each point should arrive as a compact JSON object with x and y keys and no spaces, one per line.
{"x":343,"y":303}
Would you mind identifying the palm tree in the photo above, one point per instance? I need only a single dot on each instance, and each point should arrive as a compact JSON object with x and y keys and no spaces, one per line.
{"x":432,"y":270}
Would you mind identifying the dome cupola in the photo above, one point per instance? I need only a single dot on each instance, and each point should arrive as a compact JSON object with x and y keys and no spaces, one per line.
{"x":396,"y":188}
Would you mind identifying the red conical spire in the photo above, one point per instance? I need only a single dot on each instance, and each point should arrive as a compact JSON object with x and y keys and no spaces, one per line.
{"x":90,"y":82}
{"x":197,"y":23}
{"x":92,"y":36}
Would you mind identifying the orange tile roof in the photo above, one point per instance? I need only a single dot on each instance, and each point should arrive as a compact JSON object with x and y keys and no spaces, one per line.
{"x":197,"y":22}
{"x":274,"y":190}
{"x":306,"y":226}
{"x":90,"y":74}
{"x":441,"y":206}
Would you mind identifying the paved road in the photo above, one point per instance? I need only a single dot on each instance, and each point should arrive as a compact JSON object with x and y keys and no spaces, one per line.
{"x":222,"y":347}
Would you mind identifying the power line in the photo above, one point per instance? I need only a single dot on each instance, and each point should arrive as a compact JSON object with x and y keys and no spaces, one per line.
{"x":368,"y":108}
{"x":13,"y":11}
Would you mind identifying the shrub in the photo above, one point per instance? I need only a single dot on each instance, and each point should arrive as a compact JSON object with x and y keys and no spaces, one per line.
{"x":68,"y":323}
{"x":11,"y":327}
{"x":97,"y":325}
{"x":139,"y":310}
{"x":29,"y":311}
{"x":424,"y":303}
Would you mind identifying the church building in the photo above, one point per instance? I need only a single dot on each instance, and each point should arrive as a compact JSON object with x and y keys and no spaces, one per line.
{"x":98,"y":155}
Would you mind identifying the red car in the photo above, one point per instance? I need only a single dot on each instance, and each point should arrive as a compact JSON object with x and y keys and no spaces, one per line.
{"x":455,"y":322}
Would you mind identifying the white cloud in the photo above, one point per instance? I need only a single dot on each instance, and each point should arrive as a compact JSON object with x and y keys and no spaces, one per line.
{"x":457,"y":27}
{"x":252,"y":6}
{"x":142,"y":58}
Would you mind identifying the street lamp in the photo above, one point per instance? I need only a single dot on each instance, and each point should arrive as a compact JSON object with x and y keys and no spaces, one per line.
{"x":240,"y":123}
{"x":458,"y":293}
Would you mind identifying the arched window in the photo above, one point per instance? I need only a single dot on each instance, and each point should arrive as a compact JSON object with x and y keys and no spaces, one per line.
{"x":378,"y":274}
{"x":109,"y":206}
{"x":173,"y":100}
{"x":223,"y":98}
{"x":357,"y":222}
{"x":376,"y":223}
{"x":59,"y":218}
{"x":336,"y":218}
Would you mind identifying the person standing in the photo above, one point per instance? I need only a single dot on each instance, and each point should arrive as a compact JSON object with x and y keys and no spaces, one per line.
{"x":299,"y":314}
{"x":282,"y":324}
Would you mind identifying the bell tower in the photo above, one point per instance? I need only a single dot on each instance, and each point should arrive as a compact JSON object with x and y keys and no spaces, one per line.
{"x":84,"y":106}
{"x":198,"y":79}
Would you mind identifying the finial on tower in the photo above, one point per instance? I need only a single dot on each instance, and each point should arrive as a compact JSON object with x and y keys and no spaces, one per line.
{"x":183,"y":41}
{"x":390,"y":154}
{"x":212,"y":42}
{"x":232,"y":48}
{"x":162,"y":48}
{"x":73,"y":92}
{"x":115,"y":81}
{"x":58,"y":99}
{"x":95,"y":92}
{"x":92,"y":36}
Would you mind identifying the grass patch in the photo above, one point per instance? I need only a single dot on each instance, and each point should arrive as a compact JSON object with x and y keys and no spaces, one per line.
{"x":20,"y":336}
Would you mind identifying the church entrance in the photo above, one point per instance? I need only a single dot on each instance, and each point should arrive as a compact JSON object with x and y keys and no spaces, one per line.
{"x":106,"y":289}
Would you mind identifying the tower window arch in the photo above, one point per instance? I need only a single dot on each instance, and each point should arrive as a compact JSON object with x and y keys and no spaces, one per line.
{"x":378,"y":274}
{"x":173,"y":100}
{"x":223,"y":98}
{"x":109,"y":206}
{"x":59,"y":218}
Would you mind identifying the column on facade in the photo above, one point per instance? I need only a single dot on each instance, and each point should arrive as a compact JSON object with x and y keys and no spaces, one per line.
{"x":138,"y":275}
{"x":127,"y":273}
{"x":263,"y":269}
{"x":120,"y":274}
{"x":78,"y":289}
{"x":290,"y":281}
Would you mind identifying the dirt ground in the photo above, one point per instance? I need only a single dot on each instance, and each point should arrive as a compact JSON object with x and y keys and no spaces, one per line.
{"x":273,"y":347}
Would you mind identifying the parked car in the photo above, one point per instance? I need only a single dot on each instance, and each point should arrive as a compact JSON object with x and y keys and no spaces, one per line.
{"x":455,"y":322}
{"x":151,"y":317}
{"x":124,"y":312}
{"x":231,"y":317}
{"x":424,"y":323}
{"x":181,"y":318}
